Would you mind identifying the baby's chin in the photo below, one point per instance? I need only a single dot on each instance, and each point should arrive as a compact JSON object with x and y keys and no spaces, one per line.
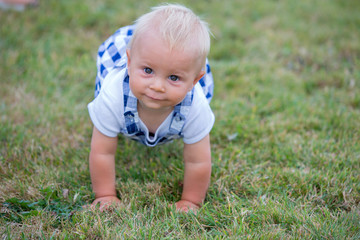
{"x":159,"y":106}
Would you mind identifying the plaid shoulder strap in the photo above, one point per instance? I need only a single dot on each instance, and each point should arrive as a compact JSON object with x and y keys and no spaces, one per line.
{"x":130,"y":108}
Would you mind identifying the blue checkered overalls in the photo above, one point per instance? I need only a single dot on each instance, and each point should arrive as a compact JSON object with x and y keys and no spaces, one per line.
{"x":112,"y":54}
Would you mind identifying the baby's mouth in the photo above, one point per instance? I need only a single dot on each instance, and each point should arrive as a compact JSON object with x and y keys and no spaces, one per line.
{"x":154,"y":98}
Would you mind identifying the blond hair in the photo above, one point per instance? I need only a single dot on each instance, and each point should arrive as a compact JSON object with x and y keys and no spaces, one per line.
{"x":178,"y":26}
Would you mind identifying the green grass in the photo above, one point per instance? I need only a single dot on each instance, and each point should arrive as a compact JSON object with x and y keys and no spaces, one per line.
{"x":285,"y":146}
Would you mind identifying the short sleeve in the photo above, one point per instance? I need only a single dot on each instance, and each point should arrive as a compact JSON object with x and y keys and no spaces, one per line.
{"x":105,"y":110}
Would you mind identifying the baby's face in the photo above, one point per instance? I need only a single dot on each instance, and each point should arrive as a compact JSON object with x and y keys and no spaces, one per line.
{"x":160,"y":78}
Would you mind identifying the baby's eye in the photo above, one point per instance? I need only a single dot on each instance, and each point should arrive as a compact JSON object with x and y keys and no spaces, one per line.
{"x":173,"y":78}
{"x":148,"y":70}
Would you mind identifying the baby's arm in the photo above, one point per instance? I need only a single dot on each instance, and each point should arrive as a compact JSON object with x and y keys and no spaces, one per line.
{"x":102,"y":169}
{"x":197,"y":158}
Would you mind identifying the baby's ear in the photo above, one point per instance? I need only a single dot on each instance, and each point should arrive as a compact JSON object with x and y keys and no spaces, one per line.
{"x":200,"y":75}
{"x":128,"y":57}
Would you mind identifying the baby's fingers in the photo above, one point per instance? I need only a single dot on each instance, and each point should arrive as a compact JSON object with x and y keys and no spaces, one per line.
{"x":99,"y":205}
{"x":186,"y":206}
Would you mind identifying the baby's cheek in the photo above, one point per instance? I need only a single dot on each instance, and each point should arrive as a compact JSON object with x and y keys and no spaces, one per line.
{"x":134,"y":84}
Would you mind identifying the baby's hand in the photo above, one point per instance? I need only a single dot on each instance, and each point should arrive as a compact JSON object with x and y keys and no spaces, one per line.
{"x":185,"y":206}
{"x":105,"y":202}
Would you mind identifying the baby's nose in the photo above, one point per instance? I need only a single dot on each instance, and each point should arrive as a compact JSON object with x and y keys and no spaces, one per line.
{"x":157,"y":85}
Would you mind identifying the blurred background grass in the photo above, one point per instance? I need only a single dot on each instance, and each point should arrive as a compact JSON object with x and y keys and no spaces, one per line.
{"x":285,"y":144}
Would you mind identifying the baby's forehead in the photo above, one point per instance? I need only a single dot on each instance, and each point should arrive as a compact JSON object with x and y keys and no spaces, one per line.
{"x":153,"y":42}
{"x":152,"y":35}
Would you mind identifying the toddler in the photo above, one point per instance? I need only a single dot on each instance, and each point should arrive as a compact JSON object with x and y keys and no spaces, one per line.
{"x":154,"y":85}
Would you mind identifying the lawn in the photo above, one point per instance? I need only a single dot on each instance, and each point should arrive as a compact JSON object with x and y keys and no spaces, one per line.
{"x":285,"y":145}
